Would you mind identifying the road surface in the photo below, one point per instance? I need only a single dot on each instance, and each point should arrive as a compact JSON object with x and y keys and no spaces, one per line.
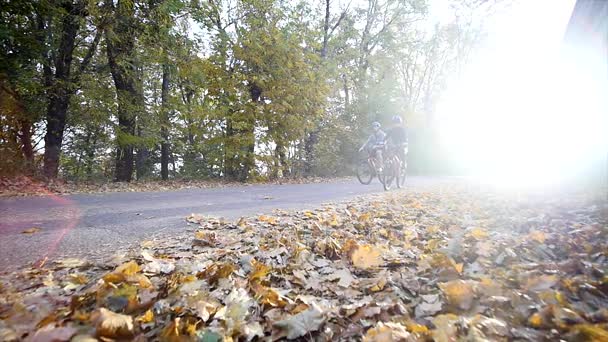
{"x":84,"y":225}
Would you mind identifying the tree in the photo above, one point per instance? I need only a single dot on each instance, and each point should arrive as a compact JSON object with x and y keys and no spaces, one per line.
{"x":58,"y":77}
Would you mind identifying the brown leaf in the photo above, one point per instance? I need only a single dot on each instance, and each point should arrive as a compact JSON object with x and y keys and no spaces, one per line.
{"x":386,"y":332}
{"x":112,"y":325}
{"x":52,"y":333}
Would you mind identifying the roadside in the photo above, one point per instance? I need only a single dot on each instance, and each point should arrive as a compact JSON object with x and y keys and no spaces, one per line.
{"x":30,"y":186}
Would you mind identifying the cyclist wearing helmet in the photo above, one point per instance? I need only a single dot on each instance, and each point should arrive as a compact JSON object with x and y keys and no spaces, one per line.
{"x":375,"y":143}
{"x":397,"y":139}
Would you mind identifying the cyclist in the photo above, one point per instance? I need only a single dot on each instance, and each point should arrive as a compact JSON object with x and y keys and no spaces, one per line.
{"x":397,"y":139}
{"x":375,"y":144}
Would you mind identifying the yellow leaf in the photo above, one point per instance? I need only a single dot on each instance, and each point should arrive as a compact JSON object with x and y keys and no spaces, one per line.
{"x":432,"y":229}
{"x":416,"y":328}
{"x":114,"y":278}
{"x":386,"y":332}
{"x":432,"y":244}
{"x":379,"y":286}
{"x":536,"y":320}
{"x":445,"y":327}
{"x":128,"y":268}
{"x":268,"y":219}
{"x":146,"y":317}
{"x":349,"y":247}
{"x":537,"y":236}
{"x":216,"y":272}
{"x":458,"y":267}
{"x":31,"y":230}
{"x":334,"y":221}
{"x":478,"y":233}
{"x":268,"y":296}
{"x":259,"y":271}
{"x":590,"y":332}
{"x":112,"y":325}
{"x":191,"y":328}
{"x":560,"y":298}
{"x":366,"y":256}
{"x":364,"y":217}
{"x":140,"y":280}
{"x":458,"y":293}
{"x":78,"y":278}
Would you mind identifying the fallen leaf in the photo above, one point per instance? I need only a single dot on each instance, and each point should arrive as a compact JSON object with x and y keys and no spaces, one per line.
{"x":458,"y":293}
{"x":147,"y":317}
{"x":30,"y":231}
{"x":478,"y":233}
{"x":386,"y":332}
{"x":366,"y":257}
{"x":541,"y":283}
{"x":537,"y":236}
{"x":52,"y":333}
{"x":345,"y":277}
{"x":112,"y":325}
{"x":445,"y":328}
{"x":302,"y":323}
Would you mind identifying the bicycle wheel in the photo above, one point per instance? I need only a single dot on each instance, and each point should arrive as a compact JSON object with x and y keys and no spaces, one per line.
{"x":401,"y":176}
{"x":390,"y":173}
{"x":365,"y":173}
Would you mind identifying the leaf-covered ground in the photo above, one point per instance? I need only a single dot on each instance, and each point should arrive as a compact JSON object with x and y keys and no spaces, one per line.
{"x":31,"y":186}
{"x":444,"y":265}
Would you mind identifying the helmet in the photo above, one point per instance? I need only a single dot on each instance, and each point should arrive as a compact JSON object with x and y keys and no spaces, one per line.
{"x":375,"y":124}
{"x":397,"y":119}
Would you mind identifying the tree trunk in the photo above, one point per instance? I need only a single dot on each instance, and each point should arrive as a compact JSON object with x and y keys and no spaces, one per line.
{"x":164,"y":128}
{"x":325,"y":30}
{"x":142,"y":154}
{"x":120,"y":42}
{"x":60,"y":91}
{"x":26,"y":142}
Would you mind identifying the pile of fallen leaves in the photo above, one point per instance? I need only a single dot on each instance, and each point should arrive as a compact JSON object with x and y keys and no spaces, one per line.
{"x":398,"y":267}
{"x":32,"y":186}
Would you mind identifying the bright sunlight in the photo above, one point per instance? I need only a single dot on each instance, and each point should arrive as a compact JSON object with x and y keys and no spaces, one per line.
{"x":523,"y":113}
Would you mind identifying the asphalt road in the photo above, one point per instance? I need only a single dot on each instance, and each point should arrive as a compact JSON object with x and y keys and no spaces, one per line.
{"x":83,"y":225}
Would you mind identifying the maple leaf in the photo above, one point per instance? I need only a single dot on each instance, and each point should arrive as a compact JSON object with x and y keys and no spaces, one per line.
{"x":366,"y":257}
{"x":302,"y":323}
{"x":259,"y":272}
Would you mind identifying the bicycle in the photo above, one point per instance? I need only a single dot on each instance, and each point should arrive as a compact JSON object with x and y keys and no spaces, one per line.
{"x":369,"y":168}
{"x":394,"y":170}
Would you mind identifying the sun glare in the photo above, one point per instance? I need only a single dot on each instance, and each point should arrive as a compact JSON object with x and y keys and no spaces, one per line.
{"x":525,"y":113}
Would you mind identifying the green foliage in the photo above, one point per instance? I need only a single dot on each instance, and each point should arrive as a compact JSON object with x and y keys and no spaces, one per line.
{"x":255,"y":88}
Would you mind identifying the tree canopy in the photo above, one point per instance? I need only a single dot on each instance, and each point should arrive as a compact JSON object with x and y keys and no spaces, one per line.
{"x":232,"y":89}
